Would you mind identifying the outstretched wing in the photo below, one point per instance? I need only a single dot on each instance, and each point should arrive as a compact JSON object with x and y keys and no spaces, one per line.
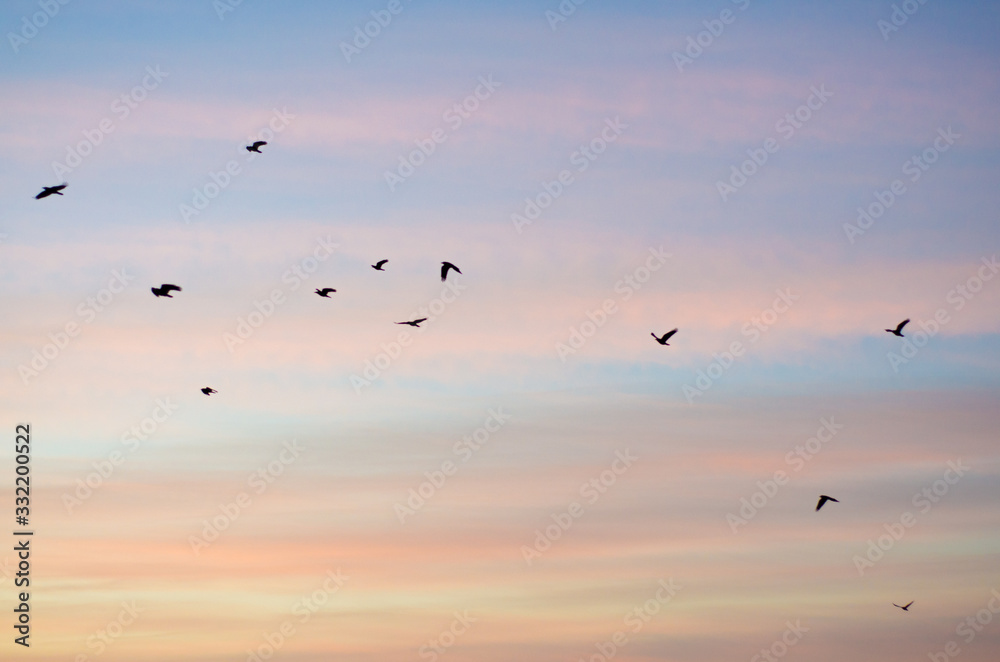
{"x":908,"y":606}
{"x":167,"y":287}
{"x":902,"y":324}
{"x":259,"y":143}
{"x":378,"y":265}
{"x":669,"y":334}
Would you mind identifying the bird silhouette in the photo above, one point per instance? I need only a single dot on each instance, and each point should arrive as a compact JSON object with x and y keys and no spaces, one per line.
{"x":378,"y":265}
{"x":208,"y":390}
{"x":51,"y":190}
{"x":445,"y":266}
{"x":256,"y":147}
{"x":665,"y":338}
{"x":906,"y":608}
{"x":898,"y":331}
{"x":325,"y":292}
{"x":415,"y":323}
{"x":165,"y":290}
{"x":823,"y":499}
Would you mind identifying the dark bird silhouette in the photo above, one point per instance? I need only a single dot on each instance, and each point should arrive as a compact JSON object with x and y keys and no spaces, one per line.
{"x":51,"y":190}
{"x":415,"y":323}
{"x":325,"y":292}
{"x":665,"y":338}
{"x":165,"y":290}
{"x":898,"y":331}
{"x":378,"y":265}
{"x":445,"y":266}
{"x":906,"y":608}
{"x":823,"y":499}
{"x":256,"y":147}
{"x":208,"y":390}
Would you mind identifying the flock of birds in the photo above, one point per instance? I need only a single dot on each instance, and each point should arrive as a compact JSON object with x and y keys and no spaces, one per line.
{"x":165,"y":290}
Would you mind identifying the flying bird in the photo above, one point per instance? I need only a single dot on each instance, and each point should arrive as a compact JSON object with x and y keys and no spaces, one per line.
{"x":898,"y":331}
{"x":378,"y":265}
{"x":906,"y":608}
{"x":51,"y":190}
{"x":415,"y":323}
{"x":445,"y":266}
{"x":165,"y":290}
{"x":256,"y":147}
{"x":325,"y":292}
{"x":665,"y":338}
{"x":208,"y":390}
{"x":823,"y":499}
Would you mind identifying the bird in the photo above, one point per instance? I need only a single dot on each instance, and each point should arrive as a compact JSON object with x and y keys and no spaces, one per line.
{"x":51,"y":190}
{"x":898,"y":331}
{"x":325,"y":292}
{"x":665,"y":338}
{"x":823,"y":499}
{"x":906,"y":608}
{"x":256,"y":147}
{"x":378,"y":265}
{"x":445,"y":266}
{"x":165,"y":290}
{"x":415,"y":323}
{"x":208,"y":390}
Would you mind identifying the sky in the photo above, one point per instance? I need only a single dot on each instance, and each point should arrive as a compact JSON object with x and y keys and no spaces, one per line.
{"x":528,"y":475}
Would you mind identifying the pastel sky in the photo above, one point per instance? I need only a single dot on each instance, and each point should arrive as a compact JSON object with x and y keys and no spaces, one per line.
{"x":528,"y":476}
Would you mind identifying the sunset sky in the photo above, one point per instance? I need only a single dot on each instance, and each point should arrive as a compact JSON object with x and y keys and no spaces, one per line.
{"x":527,"y":476}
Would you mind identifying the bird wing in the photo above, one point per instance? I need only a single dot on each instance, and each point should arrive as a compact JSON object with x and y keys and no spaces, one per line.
{"x":908,"y":606}
{"x":167,"y":287}
{"x":259,"y":143}
{"x":444,"y":270}
{"x":669,"y":334}
{"x":380,"y":263}
{"x":422,"y":319}
{"x":902,"y":324}
{"x":44,"y":194}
